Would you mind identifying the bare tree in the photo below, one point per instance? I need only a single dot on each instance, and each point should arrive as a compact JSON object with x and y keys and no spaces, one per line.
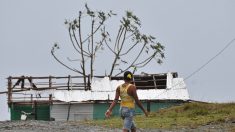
{"x":85,"y":46}
{"x":141,"y":44}
{"x":128,"y":39}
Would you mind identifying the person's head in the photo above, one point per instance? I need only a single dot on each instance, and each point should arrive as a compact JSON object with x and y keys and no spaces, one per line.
{"x":128,"y":76}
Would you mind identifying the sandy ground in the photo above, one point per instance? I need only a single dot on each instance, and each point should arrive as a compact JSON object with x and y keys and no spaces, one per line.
{"x":59,"y":126}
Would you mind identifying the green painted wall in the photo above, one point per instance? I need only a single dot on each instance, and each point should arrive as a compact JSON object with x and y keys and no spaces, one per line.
{"x":42,"y":112}
{"x":155,"y":106}
{"x":138,"y":111}
{"x":100,"y":108}
{"x":16,"y":111}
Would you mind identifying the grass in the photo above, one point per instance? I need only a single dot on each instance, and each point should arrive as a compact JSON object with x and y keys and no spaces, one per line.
{"x":187,"y":115}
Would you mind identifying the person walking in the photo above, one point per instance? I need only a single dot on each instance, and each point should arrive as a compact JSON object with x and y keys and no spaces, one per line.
{"x":127,"y":93}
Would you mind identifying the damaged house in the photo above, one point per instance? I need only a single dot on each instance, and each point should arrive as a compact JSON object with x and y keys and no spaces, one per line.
{"x":68,"y":98}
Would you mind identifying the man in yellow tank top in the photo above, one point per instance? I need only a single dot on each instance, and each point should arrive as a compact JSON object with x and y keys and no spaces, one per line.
{"x":127,"y":93}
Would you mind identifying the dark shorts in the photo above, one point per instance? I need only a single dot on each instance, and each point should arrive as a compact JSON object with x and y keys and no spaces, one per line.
{"x":127,"y":116}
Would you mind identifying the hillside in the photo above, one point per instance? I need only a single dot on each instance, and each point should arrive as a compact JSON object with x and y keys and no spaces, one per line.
{"x":188,"y":115}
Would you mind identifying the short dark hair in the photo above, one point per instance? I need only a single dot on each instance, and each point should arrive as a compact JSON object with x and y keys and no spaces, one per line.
{"x":128,"y":76}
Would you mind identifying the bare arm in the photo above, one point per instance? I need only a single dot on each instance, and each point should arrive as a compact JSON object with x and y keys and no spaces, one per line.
{"x":109,"y":111}
{"x":133,"y":93}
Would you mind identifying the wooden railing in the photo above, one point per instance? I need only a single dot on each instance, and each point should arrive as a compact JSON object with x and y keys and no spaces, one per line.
{"x":19,"y":87}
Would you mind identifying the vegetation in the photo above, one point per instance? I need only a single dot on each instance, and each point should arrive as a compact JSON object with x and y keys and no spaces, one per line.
{"x":127,"y":45}
{"x":187,"y":115}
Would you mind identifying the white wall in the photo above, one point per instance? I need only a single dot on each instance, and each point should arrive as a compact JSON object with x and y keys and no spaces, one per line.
{"x":77,"y":112}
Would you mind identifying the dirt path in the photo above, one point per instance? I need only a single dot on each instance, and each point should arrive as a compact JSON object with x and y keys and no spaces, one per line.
{"x":57,"y":126}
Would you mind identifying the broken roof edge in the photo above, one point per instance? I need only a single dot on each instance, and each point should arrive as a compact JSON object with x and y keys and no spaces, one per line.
{"x":175,"y":89}
{"x":175,"y":74}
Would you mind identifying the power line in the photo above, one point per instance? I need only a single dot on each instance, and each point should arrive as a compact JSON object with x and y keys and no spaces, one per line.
{"x":201,"y":67}
{"x":216,"y":55}
{"x":198,"y":69}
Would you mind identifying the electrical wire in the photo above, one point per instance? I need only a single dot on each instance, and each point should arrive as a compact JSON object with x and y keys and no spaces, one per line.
{"x":215,"y":56}
{"x":203,"y":66}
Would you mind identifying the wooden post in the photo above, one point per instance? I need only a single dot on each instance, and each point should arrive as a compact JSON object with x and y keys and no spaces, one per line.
{"x":9,"y":90}
{"x":31,"y":97}
{"x":50,"y":85}
{"x":50,"y":98}
{"x":50,"y":82}
{"x":89,"y":82}
{"x":68,"y":84}
{"x":35,"y":110}
{"x":148,"y":106}
{"x":154,"y":80}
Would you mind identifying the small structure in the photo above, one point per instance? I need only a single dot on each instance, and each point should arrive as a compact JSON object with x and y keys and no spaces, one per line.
{"x":67,"y":98}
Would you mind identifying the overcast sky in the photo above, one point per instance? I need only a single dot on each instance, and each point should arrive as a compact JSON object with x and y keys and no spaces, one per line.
{"x":193,"y":31}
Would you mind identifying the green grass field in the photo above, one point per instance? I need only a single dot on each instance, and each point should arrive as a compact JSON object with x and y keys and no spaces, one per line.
{"x":186,"y":115}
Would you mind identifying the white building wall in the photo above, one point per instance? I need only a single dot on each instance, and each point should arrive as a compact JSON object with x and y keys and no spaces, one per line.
{"x":104,"y":89}
{"x":78,"y":111}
